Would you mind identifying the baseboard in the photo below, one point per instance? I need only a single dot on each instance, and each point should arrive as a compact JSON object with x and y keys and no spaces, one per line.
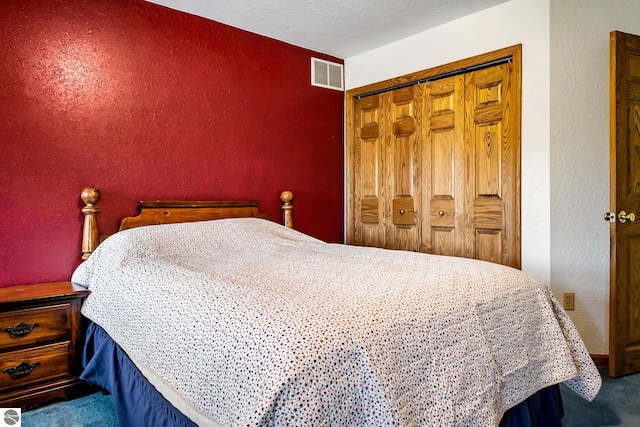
{"x":601,"y":360}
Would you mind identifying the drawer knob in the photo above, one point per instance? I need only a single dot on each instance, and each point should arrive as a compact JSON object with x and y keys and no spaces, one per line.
{"x":21,"y":329}
{"x":22,"y":369}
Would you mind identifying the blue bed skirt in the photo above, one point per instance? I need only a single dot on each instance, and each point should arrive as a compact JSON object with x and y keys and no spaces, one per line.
{"x":138,"y":403}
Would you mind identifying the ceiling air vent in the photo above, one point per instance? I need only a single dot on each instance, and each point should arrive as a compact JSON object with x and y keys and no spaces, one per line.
{"x":326,"y":74}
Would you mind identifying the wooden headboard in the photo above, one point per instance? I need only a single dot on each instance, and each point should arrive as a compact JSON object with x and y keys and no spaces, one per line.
{"x":173,"y":211}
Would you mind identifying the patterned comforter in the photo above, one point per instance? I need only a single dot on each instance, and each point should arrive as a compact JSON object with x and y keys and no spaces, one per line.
{"x":252,"y":323}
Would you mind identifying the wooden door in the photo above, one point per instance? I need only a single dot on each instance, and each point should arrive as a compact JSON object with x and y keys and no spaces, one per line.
{"x":492,"y":159}
{"x":434,"y":166}
{"x":471,"y":163}
{"x":386,"y":169}
{"x":366,"y":164}
{"x":444,"y":177}
{"x":402,"y":168}
{"x":624,"y":323}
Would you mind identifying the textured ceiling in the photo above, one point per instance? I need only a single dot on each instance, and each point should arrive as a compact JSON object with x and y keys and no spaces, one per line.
{"x":342,"y":28}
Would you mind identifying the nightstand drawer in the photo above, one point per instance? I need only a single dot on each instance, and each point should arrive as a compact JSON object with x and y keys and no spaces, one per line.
{"x":24,"y":367}
{"x":36,"y":325}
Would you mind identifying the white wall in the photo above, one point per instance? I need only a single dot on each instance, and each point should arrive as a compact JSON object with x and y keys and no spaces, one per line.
{"x":580,"y":155}
{"x":565,"y":130}
{"x":510,"y":23}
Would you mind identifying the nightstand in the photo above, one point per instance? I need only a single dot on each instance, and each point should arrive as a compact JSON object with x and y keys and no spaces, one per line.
{"x":40,"y":343}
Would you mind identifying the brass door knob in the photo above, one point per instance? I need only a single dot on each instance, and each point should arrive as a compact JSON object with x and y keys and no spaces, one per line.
{"x":623,"y":217}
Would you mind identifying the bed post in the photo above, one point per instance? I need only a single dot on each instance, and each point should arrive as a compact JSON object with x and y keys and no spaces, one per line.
{"x":90,"y":236}
{"x":287,"y":209}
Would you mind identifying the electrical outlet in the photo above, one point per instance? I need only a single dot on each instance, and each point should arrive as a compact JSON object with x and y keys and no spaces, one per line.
{"x":569,"y":301}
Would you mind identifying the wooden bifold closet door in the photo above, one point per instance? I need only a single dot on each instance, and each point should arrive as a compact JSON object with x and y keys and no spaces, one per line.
{"x":435,"y":167}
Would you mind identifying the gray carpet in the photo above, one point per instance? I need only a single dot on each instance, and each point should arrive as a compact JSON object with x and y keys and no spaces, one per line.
{"x":617,"y":404}
{"x":95,"y":410}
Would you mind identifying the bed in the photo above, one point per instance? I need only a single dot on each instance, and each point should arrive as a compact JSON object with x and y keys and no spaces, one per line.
{"x":230,"y":319}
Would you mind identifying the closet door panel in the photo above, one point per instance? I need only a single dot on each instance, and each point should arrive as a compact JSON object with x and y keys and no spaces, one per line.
{"x":443,"y":166}
{"x":489,"y":245}
{"x":443,"y":240}
{"x":368,"y":162}
{"x":493,"y":161}
{"x":488,"y":200}
{"x":403,"y":157}
{"x":488,"y":160}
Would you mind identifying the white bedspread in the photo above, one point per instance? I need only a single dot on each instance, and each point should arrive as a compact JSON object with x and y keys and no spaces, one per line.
{"x":252,"y":323}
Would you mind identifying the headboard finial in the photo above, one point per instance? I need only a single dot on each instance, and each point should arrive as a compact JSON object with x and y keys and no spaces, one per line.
{"x":286,"y":197}
{"x":90,"y":196}
{"x":90,"y":235}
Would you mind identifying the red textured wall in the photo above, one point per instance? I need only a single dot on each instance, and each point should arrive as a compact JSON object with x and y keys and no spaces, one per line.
{"x":145,"y":102}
